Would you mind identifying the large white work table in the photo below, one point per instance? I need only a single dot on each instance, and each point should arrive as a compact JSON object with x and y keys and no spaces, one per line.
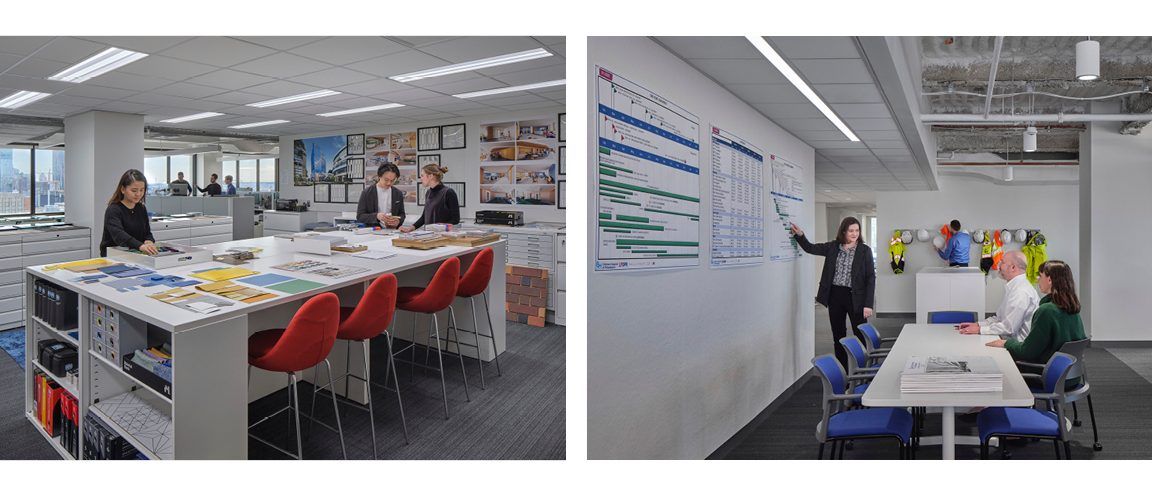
{"x":208,"y":408}
{"x":925,"y":340}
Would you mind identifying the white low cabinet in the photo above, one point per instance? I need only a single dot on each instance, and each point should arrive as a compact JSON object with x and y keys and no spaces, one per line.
{"x":25,"y":247}
{"x":942,"y":288}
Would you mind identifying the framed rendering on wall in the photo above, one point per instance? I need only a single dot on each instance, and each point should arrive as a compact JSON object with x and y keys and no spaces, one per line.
{"x":338,"y":193}
{"x":354,"y":191}
{"x":458,"y":187}
{"x":356,"y":144}
{"x":453,"y":136}
{"x":562,"y":202}
{"x":428,"y":139}
{"x":562,"y":123}
{"x":356,"y":168}
{"x":561,"y":159}
{"x":320,"y":193}
{"x":426,"y":159}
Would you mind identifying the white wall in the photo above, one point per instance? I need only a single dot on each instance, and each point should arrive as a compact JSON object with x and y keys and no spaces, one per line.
{"x":680,"y":360}
{"x":1115,"y":178}
{"x":977,"y":204}
{"x":463,"y":166}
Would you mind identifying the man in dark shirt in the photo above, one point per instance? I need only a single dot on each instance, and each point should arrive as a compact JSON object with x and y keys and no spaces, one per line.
{"x":213,"y":188}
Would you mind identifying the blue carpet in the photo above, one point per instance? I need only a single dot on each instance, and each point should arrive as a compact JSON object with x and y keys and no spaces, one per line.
{"x":12,"y":342}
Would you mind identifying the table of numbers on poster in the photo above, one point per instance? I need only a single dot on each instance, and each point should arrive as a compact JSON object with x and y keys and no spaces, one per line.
{"x":737,"y":201}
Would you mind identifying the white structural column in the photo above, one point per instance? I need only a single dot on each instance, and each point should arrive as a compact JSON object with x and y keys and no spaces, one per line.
{"x":210,"y":162}
{"x":1115,"y":171}
{"x":100,"y":146}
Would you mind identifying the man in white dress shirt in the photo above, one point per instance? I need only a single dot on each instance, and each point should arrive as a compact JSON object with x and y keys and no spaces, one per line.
{"x":1014,"y":317}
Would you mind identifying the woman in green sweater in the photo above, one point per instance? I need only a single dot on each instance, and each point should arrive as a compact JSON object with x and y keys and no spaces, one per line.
{"x":1055,"y":322}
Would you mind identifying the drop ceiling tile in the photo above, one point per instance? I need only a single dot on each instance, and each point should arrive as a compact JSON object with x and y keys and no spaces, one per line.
{"x":167,"y":68}
{"x":471,"y":85}
{"x":867,"y":135}
{"x":281,"y":65}
{"x":479,"y":47}
{"x":189,"y":90}
{"x":349,"y":49}
{"x":238,"y":98}
{"x":403,"y":96}
{"x":217,"y":51}
{"x":124,"y":81}
{"x":524,"y":107}
{"x":861,"y":110}
{"x":125,"y":107}
{"x":33,"y":84}
{"x":829,"y":144}
{"x":782,"y":111}
{"x":532,"y":76}
{"x":898,"y":153}
{"x":770,"y":94}
{"x":550,"y":40}
{"x":399,"y":63}
{"x":373,"y":87}
{"x":871,"y":124}
{"x":98,"y":92}
{"x":886,"y":144}
{"x":739,"y":71}
{"x":848,"y":93}
{"x":335,"y":77}
{"x":545,"y":62}
{"x":37,"y":68}
{"x":161,"y":100}
{"x":807,"y":124}
{"x":70,"y":50}
{"x":73,"y":100}
{"x":818,"y":71}
{"x":504,"y":100}
{"x":22,"y":45}
{"x":559,"y":50}
{"x":710,"y":47}
{"x":556,"y":95}
{"x":816,"y":47}
{"x":280,"y":88}
{"x":144,"y":44}
{"x":807,"y":135}
{"x":279,"y":42}
{"x":420,"y":41}
{"x":9,"y":60}
{"x":229,"y":79}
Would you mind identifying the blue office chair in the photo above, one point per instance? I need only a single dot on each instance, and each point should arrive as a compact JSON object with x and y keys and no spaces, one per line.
{"x":1029,"y":422}
{"x":875,"y":341}
{"x":1081,"y":390}
{"x":859,"y":372}
{"x":839,"y":425}
{"x":952,"y":317}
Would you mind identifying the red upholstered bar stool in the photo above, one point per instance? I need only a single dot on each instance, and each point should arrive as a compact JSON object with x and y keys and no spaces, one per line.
{"x":438,"y":296}
{"x":360,"y":324}
{"x":304,"y":344}
{"x":475,"y":282}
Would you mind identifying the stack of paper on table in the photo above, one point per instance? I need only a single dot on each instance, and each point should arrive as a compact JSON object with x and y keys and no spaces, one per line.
{"x":951,"y":375}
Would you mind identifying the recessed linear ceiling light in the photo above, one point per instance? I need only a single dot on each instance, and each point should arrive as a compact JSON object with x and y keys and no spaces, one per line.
{"x":192,"y":117}
{"x":98,"y":64}
{"x":295,"y":98}
{"x":361,"y":110}
{"x":504,"y":90}
{"x":800,"y":84}
{"x":262,"y":123}
{"x":21,"y":98}
{"x":499,"y":60}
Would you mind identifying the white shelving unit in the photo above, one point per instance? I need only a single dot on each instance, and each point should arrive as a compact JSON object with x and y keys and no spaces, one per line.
{"x":53,"y":441}
{"x":539,"y":245}
{"x":62,"y":334}
{"x":26,"y":247}
{"x":60,"y":381}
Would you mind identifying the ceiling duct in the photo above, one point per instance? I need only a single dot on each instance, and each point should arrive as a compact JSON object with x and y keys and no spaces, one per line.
{"x":157,"y":131}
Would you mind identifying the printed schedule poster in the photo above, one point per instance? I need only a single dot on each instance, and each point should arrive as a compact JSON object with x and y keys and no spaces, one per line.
{"x":647,"y":179}
{"x":737,"y":201}
{"x":788,"y":205}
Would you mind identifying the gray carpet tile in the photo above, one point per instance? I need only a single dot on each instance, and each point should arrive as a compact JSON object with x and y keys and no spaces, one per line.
{"x":1122,"y":400}
{"x":1139,"y":359}
{"x":521,"y":415}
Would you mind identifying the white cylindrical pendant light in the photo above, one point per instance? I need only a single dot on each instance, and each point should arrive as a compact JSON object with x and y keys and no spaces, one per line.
{"x":1030,"y":139}
{"x":1088,"y":60}
{"x":1008,"y":176}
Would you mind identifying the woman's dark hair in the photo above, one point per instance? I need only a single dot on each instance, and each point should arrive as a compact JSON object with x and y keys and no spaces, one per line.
{"x":842,"y":234}
{"x":1063,"y":287}
{"x":128,"y":178}
{"x":387,"y":167}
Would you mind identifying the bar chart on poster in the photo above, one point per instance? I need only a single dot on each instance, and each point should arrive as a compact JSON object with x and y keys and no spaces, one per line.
{"x":647,"y":179}
{"x":787,"y":205}
{"x":737,"y":201}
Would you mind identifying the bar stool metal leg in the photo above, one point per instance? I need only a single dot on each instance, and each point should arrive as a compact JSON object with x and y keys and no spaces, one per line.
{"x":491,"y":333}
{"x":371,"y":413}
{"x":296,"y":394}
{"x":412,"y":356}
{"x":396,"y":381}
{"x":336,"y":409}
{"x":476,"y":332}
{"x":440,"y":358}
{"x":459,"y":354}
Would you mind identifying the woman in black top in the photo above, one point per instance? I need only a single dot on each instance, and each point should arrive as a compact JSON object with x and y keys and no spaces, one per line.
{"x":126,"y":219}
{"x":848,"y":282}
{"x":441,"y":205}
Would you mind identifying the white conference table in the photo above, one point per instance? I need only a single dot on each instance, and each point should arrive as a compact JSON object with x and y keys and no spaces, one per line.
{"x":923,"y":340}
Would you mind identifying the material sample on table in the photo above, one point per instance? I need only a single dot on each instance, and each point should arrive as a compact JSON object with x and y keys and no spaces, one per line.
{"x":223,"y":274}
{"x":295,"y":286}
{"x":265,"y":280}
{"x":374,"y":254}
{"x":300,"y":266}
{"x":233,"y":291}
{"x":89,"y":265}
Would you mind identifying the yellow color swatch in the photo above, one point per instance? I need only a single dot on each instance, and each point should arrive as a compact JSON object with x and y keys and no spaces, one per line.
{"x":223,"y":274}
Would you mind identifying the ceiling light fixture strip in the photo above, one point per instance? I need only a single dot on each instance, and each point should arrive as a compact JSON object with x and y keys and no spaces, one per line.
{"x":192,"y":117}
{"x":101,"y":63}
{"x":262,"y":123}
{"x":361,"y":110}
{"x":295,"y":98}
{"x":504,"y":90}
{"x":21,"y":98}
{"x":499,"y":60}
{"x":798,"y":82}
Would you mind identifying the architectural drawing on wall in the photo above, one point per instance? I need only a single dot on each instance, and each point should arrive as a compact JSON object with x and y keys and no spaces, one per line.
{"x":319,"y":159}
{"x":398,"y":149}
{"x":523,"y":153}
{"x":647,"y":179}
{"x":787,"y":208}
{"x":737,"y":201}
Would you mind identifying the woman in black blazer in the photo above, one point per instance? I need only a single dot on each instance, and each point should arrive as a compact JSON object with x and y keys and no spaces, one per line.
{"x":382,"y":204}
{"x":848,"y":282}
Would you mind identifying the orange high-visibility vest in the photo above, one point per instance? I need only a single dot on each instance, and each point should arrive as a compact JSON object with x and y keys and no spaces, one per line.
{"x":998,"y":253}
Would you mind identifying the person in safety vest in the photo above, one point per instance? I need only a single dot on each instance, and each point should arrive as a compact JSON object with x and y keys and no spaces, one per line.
{"x":896,"y":252}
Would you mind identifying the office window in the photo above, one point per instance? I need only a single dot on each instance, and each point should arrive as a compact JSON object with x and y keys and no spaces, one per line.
{"x":247,"y":174}
{"x":15,"y":181}
{"x":49,"y":181}
{"x":267,"y":175}
{"x":177,"y":164}
{"x":156,"y":171}
{"x":228,"y":167}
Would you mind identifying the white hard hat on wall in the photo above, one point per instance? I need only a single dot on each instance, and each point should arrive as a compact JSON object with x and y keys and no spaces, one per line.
{"x":1005,"y":236}
{"x":922,"y":235}
{"x":938,"y":242}
{"x":906,"y":237}
{"x":978,"y":236}
{"x":1021,"y":236}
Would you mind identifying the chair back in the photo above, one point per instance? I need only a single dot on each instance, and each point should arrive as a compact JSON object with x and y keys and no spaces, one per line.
{"x":952,"y":317}
{"x":872,"y":334}
{"x":834,"y":381}
{"x":1056,"y":371}
{"x":374,"y":312}
{"x":309,"y":337}
{"x":441,"y":290}
{"x":475,"y":279}
{"x":1076,"y":349}
{"x":857,"y":357}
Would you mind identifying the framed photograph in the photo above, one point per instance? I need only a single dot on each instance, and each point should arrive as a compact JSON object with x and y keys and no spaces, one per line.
{"x":338,"y":193}
{"x":354,"y":191}
{"x":562,"y":159}
{"x":356,"y":168}
{"x":460,"y":188}
{"x":561,"y":122}
{"x":453,"y":136}
{"x":561,"y":198}
{"x":355,"y":144}
{"x":425,"y":159}
{"x":421,"y":193}
{"x":428,"y":139}
{"x":320,"y":193}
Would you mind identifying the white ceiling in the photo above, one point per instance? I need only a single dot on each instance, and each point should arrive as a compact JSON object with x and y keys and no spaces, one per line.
{"x":189,"y":75}
{"x":833,"y":66}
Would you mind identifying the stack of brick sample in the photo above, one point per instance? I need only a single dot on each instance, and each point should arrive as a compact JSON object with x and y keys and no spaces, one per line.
{"x":527,"y":294}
